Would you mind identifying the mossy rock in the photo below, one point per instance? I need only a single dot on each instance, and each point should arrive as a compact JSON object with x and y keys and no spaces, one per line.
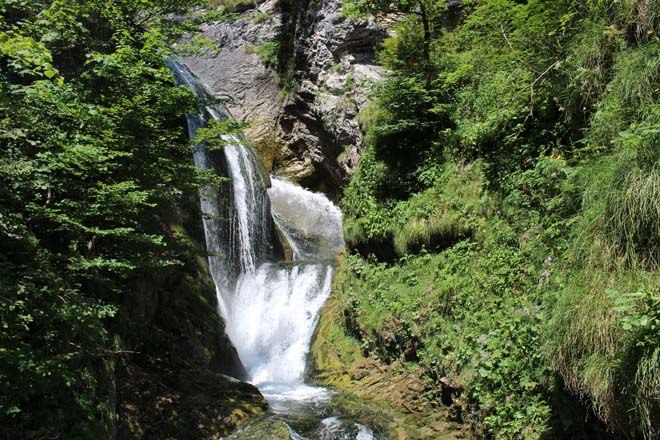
{"x":263,"y":429}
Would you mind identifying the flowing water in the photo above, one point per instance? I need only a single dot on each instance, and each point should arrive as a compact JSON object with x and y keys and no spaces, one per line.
{"x":270,"y":305}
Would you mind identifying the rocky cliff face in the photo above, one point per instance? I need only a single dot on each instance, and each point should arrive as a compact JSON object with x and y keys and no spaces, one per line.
{"x":299,"y":72}
{"x":173,"y":379}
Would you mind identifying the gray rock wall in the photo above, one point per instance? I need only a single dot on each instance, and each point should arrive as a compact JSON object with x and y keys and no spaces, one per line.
{"x":308,"y":132}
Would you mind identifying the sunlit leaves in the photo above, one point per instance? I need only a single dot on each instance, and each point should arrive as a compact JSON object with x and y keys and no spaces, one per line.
{"x":27,"y":56}
{"x":94,"y":158}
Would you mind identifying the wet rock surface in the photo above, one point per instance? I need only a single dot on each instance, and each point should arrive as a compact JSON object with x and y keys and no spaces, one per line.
{"x":264,"y":429}
{"x":303,"y":106}
{"x":172,"y":380}
{"x":404,"y":398}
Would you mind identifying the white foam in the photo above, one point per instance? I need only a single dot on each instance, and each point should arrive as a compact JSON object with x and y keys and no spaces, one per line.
{"x":364,"y":433}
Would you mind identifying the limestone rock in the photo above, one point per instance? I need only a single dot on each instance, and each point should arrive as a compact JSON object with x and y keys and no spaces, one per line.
{"x":309,"y":133}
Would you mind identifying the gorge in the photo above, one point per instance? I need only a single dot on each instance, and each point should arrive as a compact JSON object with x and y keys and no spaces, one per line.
{"x":270,"y":303}
{"x":329,"y":219}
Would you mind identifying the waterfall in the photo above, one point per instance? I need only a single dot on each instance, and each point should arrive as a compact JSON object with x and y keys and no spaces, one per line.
{"x":239,"y":228}
{"x":273,"y":311}
{"x":270,"y":306}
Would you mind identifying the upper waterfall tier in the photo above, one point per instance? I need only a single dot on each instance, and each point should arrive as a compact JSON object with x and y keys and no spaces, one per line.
{"x":240,"y":232}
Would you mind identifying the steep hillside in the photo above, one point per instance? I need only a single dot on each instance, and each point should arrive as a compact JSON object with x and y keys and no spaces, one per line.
{"x":503,"y":222}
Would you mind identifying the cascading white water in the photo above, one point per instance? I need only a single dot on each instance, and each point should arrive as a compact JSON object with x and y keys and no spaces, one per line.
{"x":270,"y":306}
{"x":271,"y":309}
{"x":272,"y":313}
{"x":309,"y":221}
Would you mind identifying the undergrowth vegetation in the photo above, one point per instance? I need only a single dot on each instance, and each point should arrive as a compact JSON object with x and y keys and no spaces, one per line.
{"x":504,"y":221}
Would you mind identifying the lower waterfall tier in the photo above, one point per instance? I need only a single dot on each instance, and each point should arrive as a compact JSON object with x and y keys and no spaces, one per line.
{"x":271,"y":318}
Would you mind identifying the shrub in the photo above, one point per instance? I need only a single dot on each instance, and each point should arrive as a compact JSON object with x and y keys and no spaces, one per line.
{"x":266,"y":51}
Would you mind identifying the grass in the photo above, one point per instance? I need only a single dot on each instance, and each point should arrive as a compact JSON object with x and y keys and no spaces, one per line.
{"x":267,"y":52}
{"x":588,"y":346}
{"x":433,"y":233}
{"x":614,"y":253}
{"x":634,"y":213}
{"x":622,"y":201}
{"x":450,"y":211}
{"x":647,"y":377}
{"x":582,"y":339}
{"x":261,"y":17}
{"x":637,"y":76}
{"x":631,"y":94}
{"x":589,"y":68}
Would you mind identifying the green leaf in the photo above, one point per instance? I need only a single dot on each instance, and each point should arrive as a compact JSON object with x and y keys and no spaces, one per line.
{"x":12,"y":410}
{"x":50,"y":72}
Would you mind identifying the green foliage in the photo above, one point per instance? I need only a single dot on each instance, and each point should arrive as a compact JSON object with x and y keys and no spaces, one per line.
{"x":418,"y":234}
{"x":614,"y":249}
{"x":266,"y":51}
{"x":641,"y":313}
{"x":588,"y":67}
{"x":216,"y":135}
{"x":365,"y":219}
{"x":231,"y":5}
{"x":496,"y":272}
{"x":475,"y":317}
{"x":633,"y":210}
{"x":261,"y":17}
{"x":403,"y":51}
{"x":603,"y":341}
{"x":622,"y":200}
{"x":631,"y":95}
{"x":450,"y":211}
{"x":27,"y":56}
{"x":94,"y":156}
{"x":354,"y":8}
